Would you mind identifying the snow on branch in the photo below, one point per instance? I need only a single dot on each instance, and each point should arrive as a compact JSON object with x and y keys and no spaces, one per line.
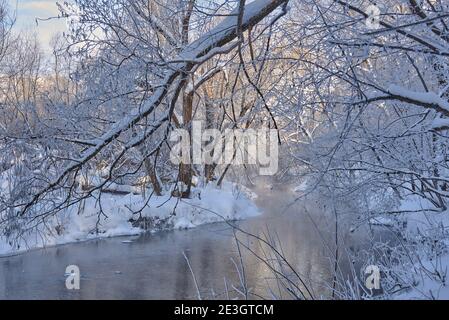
{"x":440,"y":124}
{"x":428,"y":100}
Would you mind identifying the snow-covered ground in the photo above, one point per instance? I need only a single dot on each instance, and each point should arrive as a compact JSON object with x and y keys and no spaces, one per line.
{"x":122,"y":212}
{"x":429,"y":284}
{"x":426,"y":275}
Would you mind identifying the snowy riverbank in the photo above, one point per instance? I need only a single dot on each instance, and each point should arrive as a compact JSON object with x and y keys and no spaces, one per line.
{"x":131,"y":214}
{"x":423,"y":252}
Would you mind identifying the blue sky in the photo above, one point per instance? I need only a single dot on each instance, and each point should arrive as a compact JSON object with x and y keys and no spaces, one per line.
{"x":28,"y":10}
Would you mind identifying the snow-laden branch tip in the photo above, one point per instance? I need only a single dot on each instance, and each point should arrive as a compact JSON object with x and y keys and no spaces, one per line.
{"x":440,"y":123}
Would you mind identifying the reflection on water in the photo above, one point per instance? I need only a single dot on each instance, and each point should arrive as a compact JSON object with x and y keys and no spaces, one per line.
{"x":154,"y":267}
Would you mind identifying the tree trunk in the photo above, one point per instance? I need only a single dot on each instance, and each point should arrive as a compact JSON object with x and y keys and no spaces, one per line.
{"x":185,"y":169}
{"x":151,"y":172}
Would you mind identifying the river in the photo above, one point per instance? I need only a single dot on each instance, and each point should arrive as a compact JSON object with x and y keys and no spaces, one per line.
{"x":154,"y":266}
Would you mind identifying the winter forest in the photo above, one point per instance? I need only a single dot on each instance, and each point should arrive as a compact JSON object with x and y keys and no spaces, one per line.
{"x":210,"y":149}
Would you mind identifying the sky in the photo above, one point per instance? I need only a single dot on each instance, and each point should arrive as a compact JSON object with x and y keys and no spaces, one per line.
{"x":26,"y":13}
